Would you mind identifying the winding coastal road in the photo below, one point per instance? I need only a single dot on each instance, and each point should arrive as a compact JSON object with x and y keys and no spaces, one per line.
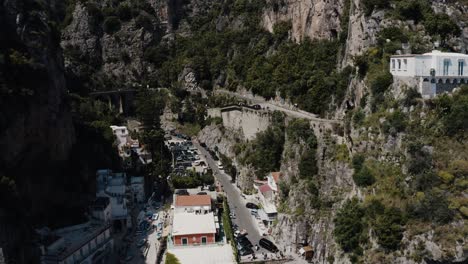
{"x":293,"y":112}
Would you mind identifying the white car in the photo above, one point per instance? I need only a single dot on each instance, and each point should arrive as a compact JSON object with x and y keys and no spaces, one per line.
{"x":155,"y":216}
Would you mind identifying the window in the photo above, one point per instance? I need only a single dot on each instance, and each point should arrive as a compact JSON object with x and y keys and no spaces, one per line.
{"x":203,"y":240}
{"x":184,"y":241}
{"x":446,"y":66}
{"x":405,"y":64}
{"x":393,"y":64}
{"x":399,"y":64}
{"x":461,"y":64}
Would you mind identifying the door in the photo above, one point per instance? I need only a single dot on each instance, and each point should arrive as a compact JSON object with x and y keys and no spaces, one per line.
{"x":203,"y":240}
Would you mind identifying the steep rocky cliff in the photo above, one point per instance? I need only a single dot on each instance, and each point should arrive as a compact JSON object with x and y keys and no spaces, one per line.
{"x":37,"y":133}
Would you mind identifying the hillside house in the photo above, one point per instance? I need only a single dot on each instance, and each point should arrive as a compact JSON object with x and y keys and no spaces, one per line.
{"x":432,"y":73}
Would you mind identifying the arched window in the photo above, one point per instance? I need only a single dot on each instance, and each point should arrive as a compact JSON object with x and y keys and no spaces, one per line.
{"x":425,"y":80}
{"x":447,"y":81}
{"x":462,"y":81}
{"x":440,"y":81}
{"x":455,"y":81}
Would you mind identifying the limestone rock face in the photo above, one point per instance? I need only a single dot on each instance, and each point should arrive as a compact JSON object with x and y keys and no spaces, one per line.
{"x":309,"y":18}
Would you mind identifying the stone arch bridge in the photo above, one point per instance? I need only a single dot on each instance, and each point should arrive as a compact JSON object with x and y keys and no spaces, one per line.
{"x":121,"y":99}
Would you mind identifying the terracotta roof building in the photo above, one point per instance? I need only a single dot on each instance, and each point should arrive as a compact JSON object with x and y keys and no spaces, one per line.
{"x":184,"y":203}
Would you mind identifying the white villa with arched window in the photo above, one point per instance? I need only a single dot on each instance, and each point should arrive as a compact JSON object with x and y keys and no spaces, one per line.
{"x":433,"y":73}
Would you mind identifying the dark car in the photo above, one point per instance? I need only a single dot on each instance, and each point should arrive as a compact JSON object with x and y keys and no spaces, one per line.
{"x":244,"y":241}
{"x":182,"y":192}
{"x":251,"y":206}
{"x":246,"y":251}
{"x":268,"y":245}
{"x":256,"y":106}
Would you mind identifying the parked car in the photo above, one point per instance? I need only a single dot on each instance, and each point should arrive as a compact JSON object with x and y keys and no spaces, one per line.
{"x":268,"y":245}
{"x":251,"y":206}
{"x":244,"y":241}
{"x":256,"y":106}
{"x":155,"y":216}
{"x":182,"y":192}
{"x":239,"y":233}
{"x":254,"y":212}
{"x":246,"y":251}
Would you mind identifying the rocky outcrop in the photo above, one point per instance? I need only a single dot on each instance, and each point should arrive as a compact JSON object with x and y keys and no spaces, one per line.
{"x":111,"y":60}
{"x":309,"y":18}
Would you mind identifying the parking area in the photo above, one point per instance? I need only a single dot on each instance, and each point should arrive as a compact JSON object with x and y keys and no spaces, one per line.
{"x":185,"y":155}
{"x":142,"y":243}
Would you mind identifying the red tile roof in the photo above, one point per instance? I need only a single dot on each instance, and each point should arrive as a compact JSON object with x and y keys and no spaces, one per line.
{"x":193,"y":200}
{"x":265,"y":188}
{"x":276,"y":176}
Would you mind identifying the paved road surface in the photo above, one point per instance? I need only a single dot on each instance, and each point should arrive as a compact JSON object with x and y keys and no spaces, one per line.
{"x":237,"y":204}
{"x":291,"y":112}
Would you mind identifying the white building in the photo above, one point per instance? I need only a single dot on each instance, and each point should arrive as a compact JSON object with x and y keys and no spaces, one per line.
{"x":90,"y":242}
{"x":137,"y":184}
{"x":101,"y":209}
{"x":432,"y":73}
{"x":112,"y":185}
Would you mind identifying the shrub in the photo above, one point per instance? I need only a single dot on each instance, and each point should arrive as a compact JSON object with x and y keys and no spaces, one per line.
{"x":94,"y":11}
{"x":171,"y":259}
{"x":395,"y":123}
{"x":432,"y":207}
{"x":125,"y":12}
{"x":446,"y":177}
{"x":441,"y":25}
{"x":364,"y":177}
{"x":358,"y":161}
{"x":299,"y":129}
{"x":111,"y":24}
{"x":308,"y":165}
{"x":455,"y":120}
{"x":389,"y":228}
{"x":411,"y":97}
{"x":370,"y":5}
{"x":349,"y":226}
{"x":358,"y":117}
{"x":265,"y":154}
{"x":362,"y":64}
{"x":144,"y":21}
{"x":459,"y":168}
{"x":281,"y":29}
{"x":412,"y":9}
{"x":381,"y":83}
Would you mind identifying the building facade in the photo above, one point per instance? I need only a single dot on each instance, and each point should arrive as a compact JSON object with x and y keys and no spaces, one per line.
{"x":193,"y":229}
{"x":86,"y":243}
{"x":432,"y":73}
